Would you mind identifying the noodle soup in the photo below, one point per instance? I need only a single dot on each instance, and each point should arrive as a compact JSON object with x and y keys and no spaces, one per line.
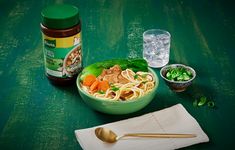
{"x":115,"y":84}
{"x":72,"y":62}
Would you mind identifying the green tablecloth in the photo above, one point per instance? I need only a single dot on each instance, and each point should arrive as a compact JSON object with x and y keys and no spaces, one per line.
{"x":37,"y":115}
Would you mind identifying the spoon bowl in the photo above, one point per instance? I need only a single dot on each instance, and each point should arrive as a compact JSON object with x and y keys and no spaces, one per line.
{"x":108,"y":136}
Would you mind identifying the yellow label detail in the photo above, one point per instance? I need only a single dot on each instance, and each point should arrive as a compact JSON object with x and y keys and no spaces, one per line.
{"x":65,"y":42}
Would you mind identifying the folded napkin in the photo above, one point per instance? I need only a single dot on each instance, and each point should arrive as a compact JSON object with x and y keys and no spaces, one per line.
{"x":174,"y":119}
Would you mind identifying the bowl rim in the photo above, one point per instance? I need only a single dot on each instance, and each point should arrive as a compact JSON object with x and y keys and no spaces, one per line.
{"x":117,"y":101}
{"x":177,"y":65}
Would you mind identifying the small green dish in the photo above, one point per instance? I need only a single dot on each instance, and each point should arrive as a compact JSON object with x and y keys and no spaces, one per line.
{"x":177,"y":86}
{"x":118,"y":107}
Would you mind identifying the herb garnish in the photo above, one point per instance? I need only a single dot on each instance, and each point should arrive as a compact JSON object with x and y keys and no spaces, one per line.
{"x":114,"y":88}
{"x":211,"y":104}
{"x":144,"y":75}
{"x":144,"y":82}
{"x":135,"y":76}
{"x":203,"y":101}
{"x":101,"y":92}
{"x":178,"y":74}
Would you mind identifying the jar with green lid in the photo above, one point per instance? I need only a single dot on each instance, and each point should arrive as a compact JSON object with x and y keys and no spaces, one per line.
{"x":62,"y":48}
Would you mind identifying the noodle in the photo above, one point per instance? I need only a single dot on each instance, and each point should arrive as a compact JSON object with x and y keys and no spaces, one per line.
{"x":138,"y":84}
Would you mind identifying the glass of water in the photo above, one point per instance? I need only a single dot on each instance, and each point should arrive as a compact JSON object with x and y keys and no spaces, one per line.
{"x":156,"y":47}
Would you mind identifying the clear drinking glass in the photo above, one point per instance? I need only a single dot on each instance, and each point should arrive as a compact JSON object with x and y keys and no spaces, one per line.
{"x":156,"y":47}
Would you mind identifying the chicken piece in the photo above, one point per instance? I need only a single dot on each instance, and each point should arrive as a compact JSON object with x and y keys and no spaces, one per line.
{"x":122,"y":80}
{"x":111,"y":78}
{"x":113,"y":75}
{"x":116,"y":69}
{"x":101,"y":76}
{"x":113,"y":70}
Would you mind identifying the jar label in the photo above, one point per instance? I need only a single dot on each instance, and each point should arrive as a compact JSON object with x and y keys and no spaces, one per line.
{"x":62,"y":56}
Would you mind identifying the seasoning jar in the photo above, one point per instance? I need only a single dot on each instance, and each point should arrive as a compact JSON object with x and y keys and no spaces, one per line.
{"x":61,"y":34}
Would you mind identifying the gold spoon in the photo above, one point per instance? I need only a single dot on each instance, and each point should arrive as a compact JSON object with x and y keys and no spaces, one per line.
{"x":107,"y":135}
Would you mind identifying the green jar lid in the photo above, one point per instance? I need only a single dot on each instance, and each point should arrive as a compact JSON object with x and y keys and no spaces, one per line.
{"x":60,"y":16}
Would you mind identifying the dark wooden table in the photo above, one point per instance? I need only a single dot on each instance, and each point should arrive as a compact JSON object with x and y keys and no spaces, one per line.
{"x":37,"y":115}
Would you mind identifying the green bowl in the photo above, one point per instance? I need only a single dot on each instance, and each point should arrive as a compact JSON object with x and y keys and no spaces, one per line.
{"x":118,"y":107}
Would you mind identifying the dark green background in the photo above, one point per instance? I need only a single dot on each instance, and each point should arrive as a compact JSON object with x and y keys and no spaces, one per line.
{"x":37,"y":115}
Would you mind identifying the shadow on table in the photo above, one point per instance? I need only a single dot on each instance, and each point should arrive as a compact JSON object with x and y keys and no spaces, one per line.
{"x":71,"y":92}
{"x":71,"y":89}
{"x":196,"y":91}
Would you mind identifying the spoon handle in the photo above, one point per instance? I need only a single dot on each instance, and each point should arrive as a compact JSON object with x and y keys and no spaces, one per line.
{"x":160,"y":135}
